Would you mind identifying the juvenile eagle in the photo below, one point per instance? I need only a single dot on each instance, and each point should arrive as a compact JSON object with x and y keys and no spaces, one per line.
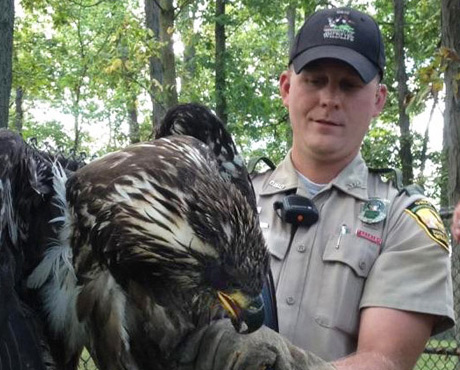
{"x":155,"y":241}
{"x":26,"y":207}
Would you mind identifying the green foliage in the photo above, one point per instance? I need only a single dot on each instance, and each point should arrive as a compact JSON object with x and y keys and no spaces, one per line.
{"x":380,"y":146}
{"x":86,"y":61}
{"x":90,"y":60}
{"x":50,"y":133}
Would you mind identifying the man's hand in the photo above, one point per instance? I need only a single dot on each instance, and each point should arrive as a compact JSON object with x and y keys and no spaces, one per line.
{"x":455,"y":227}
{"x":219,"y":347}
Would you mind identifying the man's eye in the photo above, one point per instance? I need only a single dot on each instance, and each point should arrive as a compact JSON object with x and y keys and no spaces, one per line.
{"x":349,"y":85}
{"x":314,"y":81}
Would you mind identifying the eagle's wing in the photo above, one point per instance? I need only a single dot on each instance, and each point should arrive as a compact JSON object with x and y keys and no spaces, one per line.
{"x":26,"y":208}
{"x":20,"y":334}
{"x":23,"y":187}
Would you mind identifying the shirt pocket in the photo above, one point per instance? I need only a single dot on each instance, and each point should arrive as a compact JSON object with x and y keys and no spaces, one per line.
{"x":347,"y":263}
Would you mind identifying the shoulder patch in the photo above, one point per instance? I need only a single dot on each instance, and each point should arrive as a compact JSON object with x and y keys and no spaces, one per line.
{"x":428,"y":218}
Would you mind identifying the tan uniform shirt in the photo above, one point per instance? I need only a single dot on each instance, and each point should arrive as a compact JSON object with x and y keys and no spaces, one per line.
{"x":341,"y":264}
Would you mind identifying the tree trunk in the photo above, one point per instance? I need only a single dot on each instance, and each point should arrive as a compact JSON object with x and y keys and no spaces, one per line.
{"x":160,"y":19}
{"x":426,"y":137}
{"x":76,"y":120}
{"x":134,"y":136}
{"x":451,"y":41}
{"x":167,"y":53}
{"x":405,"y":150}
{"x":190,"y":64}
{"x":152,"y":18}
{"x":450,"y":28}
{"x":19,"y":116}
{"x":221,"y":102}
{"x":6,"y":55}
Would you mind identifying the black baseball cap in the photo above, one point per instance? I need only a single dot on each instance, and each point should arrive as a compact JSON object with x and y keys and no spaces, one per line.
{"x":344,"y":34}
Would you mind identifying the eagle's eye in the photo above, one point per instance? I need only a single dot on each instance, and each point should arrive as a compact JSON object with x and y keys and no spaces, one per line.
{"x":218,"y":277}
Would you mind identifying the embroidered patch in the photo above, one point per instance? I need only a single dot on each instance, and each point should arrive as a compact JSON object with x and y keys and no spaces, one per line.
{"x":374,"y":211}
{"x":340,"y":27}
{"x":428,"y":218}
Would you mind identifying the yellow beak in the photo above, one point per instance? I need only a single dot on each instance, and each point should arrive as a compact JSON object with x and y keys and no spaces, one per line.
{"x":247,"y":313}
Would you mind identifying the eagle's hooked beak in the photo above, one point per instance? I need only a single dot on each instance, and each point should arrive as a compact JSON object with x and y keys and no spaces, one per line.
{"x":247,"y":313}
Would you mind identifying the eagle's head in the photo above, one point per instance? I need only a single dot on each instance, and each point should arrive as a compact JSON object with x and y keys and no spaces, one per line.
{"x":164,"y":222}
{"x":200,"y":122}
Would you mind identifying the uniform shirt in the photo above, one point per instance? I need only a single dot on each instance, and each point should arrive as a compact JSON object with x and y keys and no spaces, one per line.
{"x":341,"y":264}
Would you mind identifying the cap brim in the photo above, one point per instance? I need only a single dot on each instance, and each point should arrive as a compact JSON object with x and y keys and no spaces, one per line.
{"x":365,"y":68}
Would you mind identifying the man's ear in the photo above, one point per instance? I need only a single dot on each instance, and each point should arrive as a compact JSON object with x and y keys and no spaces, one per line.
{"x":380,"y":99}
{"x":285,"y":85}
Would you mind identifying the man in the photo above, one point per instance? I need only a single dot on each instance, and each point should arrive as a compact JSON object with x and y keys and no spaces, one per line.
{"x":366,"y":285}
{"x":375,"y":283}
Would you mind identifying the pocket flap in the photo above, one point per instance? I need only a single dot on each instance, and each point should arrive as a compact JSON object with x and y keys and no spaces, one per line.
{"x":353,"y":251}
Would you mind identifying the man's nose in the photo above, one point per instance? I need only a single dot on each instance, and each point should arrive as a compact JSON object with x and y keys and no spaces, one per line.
{"x":330,"y":97}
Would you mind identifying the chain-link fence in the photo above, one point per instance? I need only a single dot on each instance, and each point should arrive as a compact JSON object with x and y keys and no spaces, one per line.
{"x":86,"y":362}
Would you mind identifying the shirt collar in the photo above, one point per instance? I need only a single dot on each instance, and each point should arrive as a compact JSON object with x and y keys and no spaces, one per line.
{"x":351,"y":180}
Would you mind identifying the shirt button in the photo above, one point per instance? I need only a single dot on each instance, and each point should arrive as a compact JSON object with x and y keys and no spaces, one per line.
{"x":362,"y":265}
{"x":301,"y":248}
{"x":290,"y":301}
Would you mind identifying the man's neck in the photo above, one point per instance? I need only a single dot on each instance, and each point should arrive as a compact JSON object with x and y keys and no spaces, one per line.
{"x":320,"y":172}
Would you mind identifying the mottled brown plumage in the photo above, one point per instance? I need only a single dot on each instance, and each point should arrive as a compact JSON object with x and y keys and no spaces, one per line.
{"x":26,"y":209}
{"x":156,"y":240}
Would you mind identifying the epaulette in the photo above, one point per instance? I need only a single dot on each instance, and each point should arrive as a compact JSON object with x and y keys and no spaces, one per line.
{"x":396,"y":176}
{"x":254,"y":161}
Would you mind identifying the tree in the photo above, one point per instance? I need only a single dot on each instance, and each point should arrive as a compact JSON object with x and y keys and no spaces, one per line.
{"x":6,"y":55}
{"x":168,"y":58}
{"x":152,"y":21}
{"x":401,"y":77}
{"x":451,"y":44}
{"x":221,"y":102}
{"x":106,"y":45}
{"x":163,"y":90}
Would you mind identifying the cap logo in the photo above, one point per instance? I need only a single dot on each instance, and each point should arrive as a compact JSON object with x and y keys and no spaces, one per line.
{"x":339,"y":27}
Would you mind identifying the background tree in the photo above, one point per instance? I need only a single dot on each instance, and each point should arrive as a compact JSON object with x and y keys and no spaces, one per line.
{"x":152,"y":21}
{"x":405,"y":150}
{"x":221,"y":101}
{"x":451,"y":43}
{"x":451,"y":153}
{"x":118,"y":38}
{"x":6,"y":55}
{"x":160,"y":15}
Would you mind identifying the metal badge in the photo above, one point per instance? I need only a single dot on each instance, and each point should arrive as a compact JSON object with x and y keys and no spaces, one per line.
{"x":374,"y":211}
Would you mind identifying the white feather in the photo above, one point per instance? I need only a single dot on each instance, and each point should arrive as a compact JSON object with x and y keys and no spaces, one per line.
{"x":55,"y":275}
